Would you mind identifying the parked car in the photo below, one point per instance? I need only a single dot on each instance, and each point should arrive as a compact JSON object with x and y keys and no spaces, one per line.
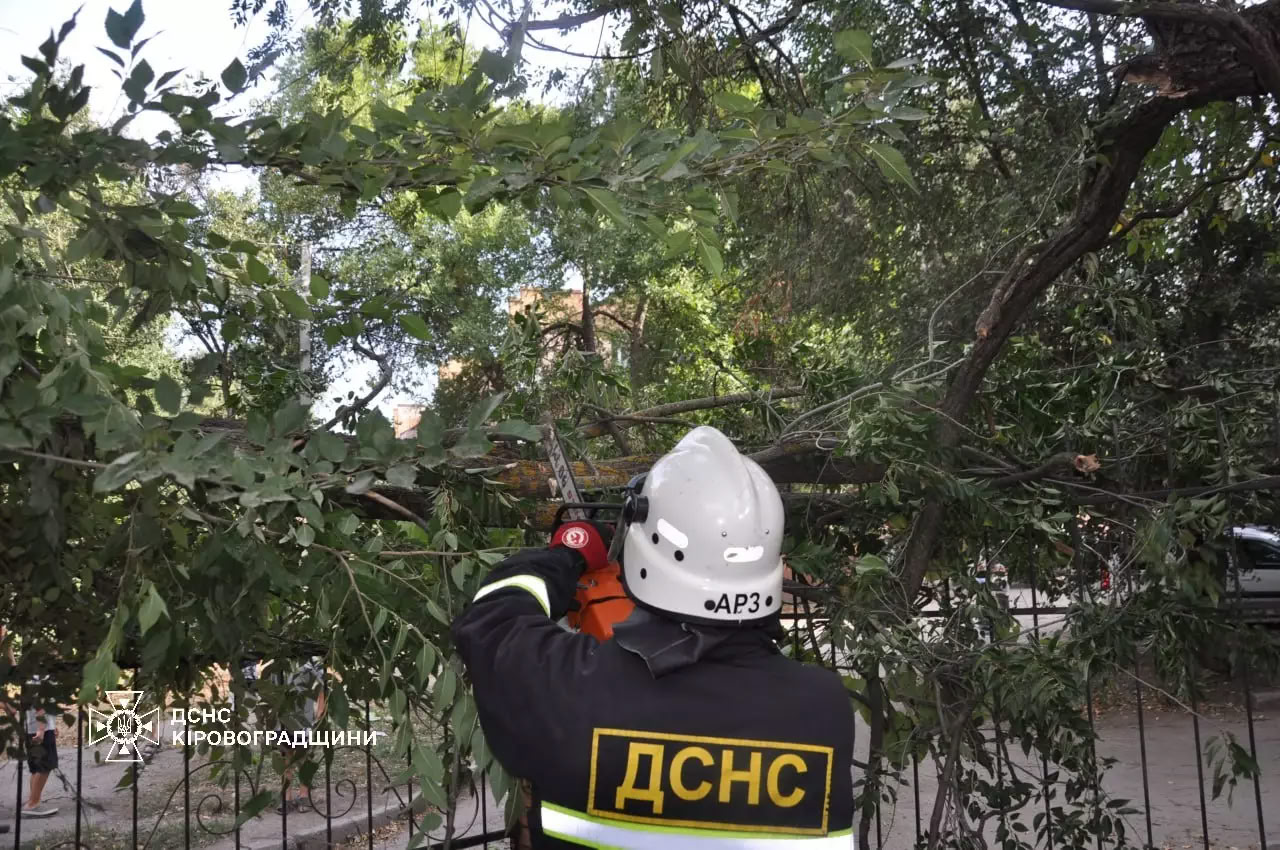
{"x":1254,"y":562}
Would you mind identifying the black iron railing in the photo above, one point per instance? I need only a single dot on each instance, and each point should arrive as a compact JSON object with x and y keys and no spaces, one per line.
{"x":346,"y":804}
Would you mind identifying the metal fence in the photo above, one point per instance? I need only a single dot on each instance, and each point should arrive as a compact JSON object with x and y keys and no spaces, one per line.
{"x":342,"y":812}
{"x":345,"y":810}
{"x":1039,"y":610}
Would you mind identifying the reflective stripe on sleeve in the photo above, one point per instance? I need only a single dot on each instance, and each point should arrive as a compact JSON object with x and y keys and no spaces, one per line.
{"x":589,"y":831}
{"x":533,"y":585}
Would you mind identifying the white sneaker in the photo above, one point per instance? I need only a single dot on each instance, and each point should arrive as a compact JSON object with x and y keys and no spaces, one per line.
{"x":44,"y":812}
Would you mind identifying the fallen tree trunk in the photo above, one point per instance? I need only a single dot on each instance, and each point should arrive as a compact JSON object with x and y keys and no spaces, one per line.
{"x":675,"y":408}
{"x":541,"y":515}
{"x":532,"y":479}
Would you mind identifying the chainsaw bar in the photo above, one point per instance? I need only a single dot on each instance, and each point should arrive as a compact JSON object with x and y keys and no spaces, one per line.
{"x":569,"y":492}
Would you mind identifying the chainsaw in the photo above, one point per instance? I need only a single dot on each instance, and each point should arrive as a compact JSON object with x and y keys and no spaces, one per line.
{"x":601,"y":599}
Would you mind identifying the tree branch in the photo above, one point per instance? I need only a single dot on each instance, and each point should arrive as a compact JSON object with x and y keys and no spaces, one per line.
{"x":1103,"y":497}
{"x":568,"y":22}
{"x":1241,"y":29}
{"x":1059,"y":461}
{"x":1119,"y":8}
{"x":626,"y":326}
{"x":597,"y":429}
{"x":396,"y":507}
{"x":70,"y":461}
{"x":560,"y":326}
{"x":1181,"y":207}
{"x":795,"y":447}
{"x":1103,"y":190}
{"x":383,"y":379}
{"x":751,"y":57}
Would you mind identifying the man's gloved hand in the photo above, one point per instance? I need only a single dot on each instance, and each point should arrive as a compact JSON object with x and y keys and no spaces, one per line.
{"x":590,"y":539}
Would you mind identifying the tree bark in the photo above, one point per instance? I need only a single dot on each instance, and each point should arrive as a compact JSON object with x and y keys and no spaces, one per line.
{"x":675,"y":408}
{"x":587,"y":339}
{"x":531,"y":479}
{"x":587,"y":345}
{"x":635,"y":355}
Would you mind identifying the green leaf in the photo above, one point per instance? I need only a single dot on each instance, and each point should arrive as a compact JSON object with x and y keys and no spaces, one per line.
{"x":330,"y":446}
{"x":447,"y":204}
{"x":255,"y":805}
{"x":445,"y":690}
{"x":133,"y":18}
{"x":460,"y":570}
{"x":414,"y":326}
{"x":434,"y":610}
{"x":495,"y":66}
{"x":674,"y":166}
{"x":907,"y":113}
{"x":242,"y":473}
{"x":13,"y":438}
{"x":474,"y":443}
{"x":678,"y":242}
{"x":729,"y":204}
{"x":167,"y":76}
{"x":305,"y":535}
{"x":169,"y":394}
{"x":294,"y":303}
{"x":731,"y":102}
{"x":290,"y":418}
{"x":183,"y":209}
{"x":892,"y":164}
{"x":107,"y":53}
{"x":311,"y":513}
{"x":402,"y":475}
{"x":139,"y":79}
{"x":118,"y":473}
{"x":855,"y":45}
{"x":152,"y":607}
{"x":424,"y":663}
{"x":480,"y":412}
{"x":606,"y":202}
{"x":431,"y":435}
{"x":360,"y":484}
{"x":122,"y":28}
{"x":35,"y":65}
{"x":258,"y":272}
{"x":234,"y":76}
{"x":520,"y":430}
{"x":871,"y":565}
{"x":208,"y":441}
{"x":319,"y":287}
{"x":710,"y":257}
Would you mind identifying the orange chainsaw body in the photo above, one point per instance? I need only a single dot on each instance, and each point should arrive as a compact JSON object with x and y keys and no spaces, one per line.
{"x":602,"y":602}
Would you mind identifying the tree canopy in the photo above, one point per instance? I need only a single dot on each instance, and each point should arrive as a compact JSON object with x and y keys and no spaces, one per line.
{"x":963,"y":276}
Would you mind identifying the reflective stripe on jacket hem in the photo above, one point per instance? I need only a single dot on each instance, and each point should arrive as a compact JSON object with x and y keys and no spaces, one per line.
{"x":534,"y":585}
{"x":568,"y":825}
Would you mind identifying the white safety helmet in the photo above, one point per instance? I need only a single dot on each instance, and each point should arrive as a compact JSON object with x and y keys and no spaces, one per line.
{"x":704,"y":535}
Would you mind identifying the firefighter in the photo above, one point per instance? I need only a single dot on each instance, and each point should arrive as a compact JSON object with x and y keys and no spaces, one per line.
{"x":688,"y":728}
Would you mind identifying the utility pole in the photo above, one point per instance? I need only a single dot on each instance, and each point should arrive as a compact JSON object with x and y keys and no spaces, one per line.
{"x":304,"y":329}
